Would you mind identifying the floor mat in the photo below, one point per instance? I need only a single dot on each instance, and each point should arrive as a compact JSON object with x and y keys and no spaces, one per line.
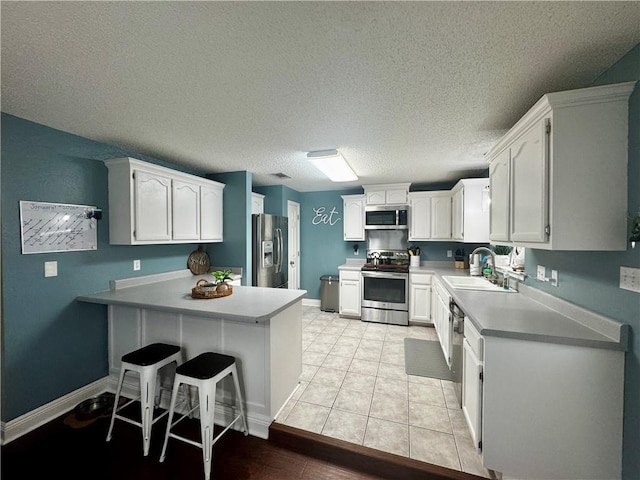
{"x":424,"y":358}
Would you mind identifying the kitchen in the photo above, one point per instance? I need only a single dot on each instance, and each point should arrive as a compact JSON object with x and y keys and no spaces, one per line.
{"x":40,"y":162}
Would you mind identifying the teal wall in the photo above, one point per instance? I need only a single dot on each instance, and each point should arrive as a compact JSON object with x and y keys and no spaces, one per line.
{"x":276,"y":198}
{"x":591,"y":279}
{"x":235,"y":251}
{"x":53,"y":345}
{"x":322,"y":246}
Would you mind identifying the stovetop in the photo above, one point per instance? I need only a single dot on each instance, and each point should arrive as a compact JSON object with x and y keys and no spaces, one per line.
{"x":387,"y":261}
{"x":392,"y":267}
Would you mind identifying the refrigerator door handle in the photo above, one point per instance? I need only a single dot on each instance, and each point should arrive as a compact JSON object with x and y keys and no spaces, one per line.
{"x":278,"y":232}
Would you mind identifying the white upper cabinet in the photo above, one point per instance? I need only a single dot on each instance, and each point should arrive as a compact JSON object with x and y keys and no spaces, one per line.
{"x":441,"y":216}
{"x":390,"y":194}
{"x":559,"y":176}
{"x":353,"y":217}
{"x":152,"y":219}
{"x":211,"y":219}
{"x":257,"y":203}
{"x":499,"y":191}
{"x":150,"y":204}
{"x":186,"y":211}
{"x":470,"y":210}
{"x":430,"y":216}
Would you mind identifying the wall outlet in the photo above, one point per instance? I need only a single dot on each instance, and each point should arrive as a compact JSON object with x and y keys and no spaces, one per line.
{"x":541,"y":273}
{"x":554,"y":278}
{"x":50,"y":269}
{"x":136,"y":265}
{"x":630,"y":279}
{"x":449,"y":253}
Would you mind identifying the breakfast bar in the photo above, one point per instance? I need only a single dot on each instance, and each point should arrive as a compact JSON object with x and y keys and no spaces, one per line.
{"x":260,"y":327}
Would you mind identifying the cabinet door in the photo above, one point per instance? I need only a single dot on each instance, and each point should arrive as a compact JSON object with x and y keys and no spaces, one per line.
{"x":420,"y":218}
{"x":441,"y":217}
{"x":152,"y":209}
{"x":257,"y":204}
{"x":499,"y":191}
{"x":376,"y":197}
{"x":211,"y":207}
{"x":186,"y":211}
{"x":350,"y":297}
{"x":420,"y":303}
{"x":472,"y":392}
{"x":529,"y":193}
{"x":396,"y":197}
{"x":353,"y":213}
{"x":457,"y":215}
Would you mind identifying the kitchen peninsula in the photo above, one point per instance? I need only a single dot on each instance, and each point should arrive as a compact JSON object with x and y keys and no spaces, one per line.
{"x":261,"y":327}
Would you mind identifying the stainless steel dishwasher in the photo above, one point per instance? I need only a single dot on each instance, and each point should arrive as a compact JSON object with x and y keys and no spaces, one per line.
{"x":456,"y":321}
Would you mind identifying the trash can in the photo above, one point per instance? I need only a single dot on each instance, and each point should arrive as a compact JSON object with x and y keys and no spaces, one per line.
{"x":329,"y":293}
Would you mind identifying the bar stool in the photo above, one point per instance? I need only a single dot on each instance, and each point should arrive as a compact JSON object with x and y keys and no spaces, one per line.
{"x":147,"y":361}
{"x":204,"y":372}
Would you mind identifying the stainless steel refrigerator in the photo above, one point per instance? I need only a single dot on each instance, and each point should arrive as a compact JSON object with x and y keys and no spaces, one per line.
{"x":270,"y":252}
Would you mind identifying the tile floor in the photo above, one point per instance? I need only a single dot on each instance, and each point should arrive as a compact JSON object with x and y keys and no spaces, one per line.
{"x":354,"y":387}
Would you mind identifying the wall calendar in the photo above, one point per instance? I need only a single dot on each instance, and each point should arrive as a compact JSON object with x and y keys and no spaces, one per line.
{"x":57,"y":227}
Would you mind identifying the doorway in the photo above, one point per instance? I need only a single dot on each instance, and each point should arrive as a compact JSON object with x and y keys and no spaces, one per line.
{"x":293,"y":213}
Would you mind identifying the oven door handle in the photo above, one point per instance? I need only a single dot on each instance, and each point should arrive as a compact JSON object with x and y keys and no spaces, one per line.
{"x":385,"y":275}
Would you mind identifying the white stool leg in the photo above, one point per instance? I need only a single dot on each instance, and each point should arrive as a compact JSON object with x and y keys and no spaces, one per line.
{"x":236,"y":383}
{"x":207,"y":413}
{"x":115,"y":402}
{"x":147,"y":400}
{"x":172,"y":406}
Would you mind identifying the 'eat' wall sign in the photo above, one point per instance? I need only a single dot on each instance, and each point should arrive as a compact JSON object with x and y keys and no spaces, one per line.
{"x":322,"y":217}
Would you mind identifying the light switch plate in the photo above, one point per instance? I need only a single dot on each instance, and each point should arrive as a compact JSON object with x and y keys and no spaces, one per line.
{"x":50,"y":269}
{"x":541,"y":273}
{"x":136,"y":265}
{"x":630,"y":279}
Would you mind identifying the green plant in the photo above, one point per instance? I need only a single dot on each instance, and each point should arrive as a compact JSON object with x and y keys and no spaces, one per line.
{"x":222,"y":275}
{"x":501,"y":250}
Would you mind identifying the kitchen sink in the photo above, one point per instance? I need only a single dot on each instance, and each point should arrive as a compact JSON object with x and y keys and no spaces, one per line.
{"x":474,"y":283}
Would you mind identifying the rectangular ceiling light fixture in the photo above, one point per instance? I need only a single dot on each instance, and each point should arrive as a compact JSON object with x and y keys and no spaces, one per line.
{"x":333,"y":165}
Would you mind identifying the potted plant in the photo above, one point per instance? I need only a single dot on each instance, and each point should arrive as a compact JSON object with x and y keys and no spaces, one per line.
{"x":503,"y":255}
{"x":221,"y":277}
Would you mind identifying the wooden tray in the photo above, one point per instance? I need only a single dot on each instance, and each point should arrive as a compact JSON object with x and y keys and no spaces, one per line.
{"x":205,"y":289}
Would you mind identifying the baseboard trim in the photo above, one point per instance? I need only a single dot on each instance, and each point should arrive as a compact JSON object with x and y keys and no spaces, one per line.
{"x":35,"y":418}
{"x":9,"y":431}
{"x":310,"y":302}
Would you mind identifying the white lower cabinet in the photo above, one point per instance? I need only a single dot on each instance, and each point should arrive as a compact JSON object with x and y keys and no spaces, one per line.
{"x":543,"y":410}
{"x":420,"y":298}
{"x":350,"y":293}
{"x":472,"y":382}
{"x":440,"y":318}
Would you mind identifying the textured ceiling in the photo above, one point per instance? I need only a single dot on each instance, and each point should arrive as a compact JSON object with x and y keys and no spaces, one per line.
{"x":408,"y":91}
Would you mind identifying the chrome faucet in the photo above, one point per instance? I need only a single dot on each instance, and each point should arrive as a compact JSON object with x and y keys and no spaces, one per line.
{"x":493,"y":277}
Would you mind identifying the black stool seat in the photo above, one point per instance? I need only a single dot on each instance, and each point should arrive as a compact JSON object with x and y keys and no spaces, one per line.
{"x":150,"y":354}
{"x":206,"y":365}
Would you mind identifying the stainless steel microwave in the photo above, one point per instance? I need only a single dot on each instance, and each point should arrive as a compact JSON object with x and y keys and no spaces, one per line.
{"x":386,"y":217}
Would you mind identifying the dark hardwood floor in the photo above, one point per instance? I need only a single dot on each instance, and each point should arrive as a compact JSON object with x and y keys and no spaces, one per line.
{"x":59,"y":450}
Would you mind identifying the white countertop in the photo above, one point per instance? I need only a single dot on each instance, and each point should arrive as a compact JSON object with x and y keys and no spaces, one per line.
{"x":530,"y":314}
{"x":255,"y":304}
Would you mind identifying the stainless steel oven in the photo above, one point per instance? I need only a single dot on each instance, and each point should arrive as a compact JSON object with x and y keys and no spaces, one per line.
{"x":385,"y":296}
